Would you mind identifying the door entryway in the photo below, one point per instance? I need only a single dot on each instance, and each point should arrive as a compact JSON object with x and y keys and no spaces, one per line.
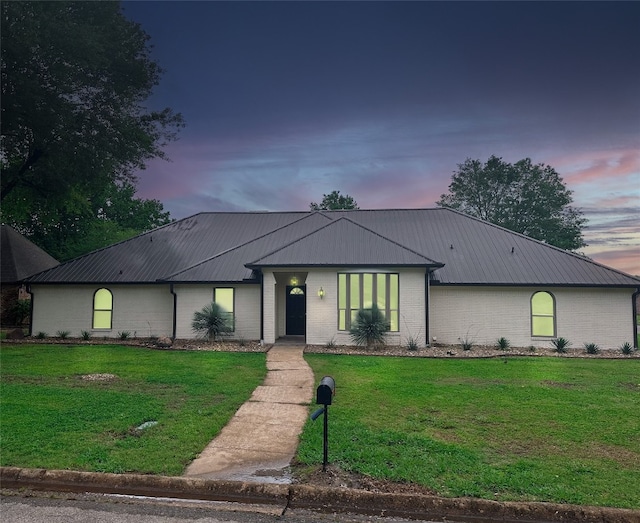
{"x":296,"y":313}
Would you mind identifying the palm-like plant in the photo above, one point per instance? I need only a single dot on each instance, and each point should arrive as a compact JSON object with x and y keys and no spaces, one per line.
{"x":369,"y":327}
{"x":211,"y":322}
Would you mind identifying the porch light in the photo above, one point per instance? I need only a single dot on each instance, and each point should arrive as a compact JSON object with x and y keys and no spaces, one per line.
{"x":321,"y":292}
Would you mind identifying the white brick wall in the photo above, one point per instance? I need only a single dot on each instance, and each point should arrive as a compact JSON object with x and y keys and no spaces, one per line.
{"x":142,"y":310}
{"x":192,"y":298}
{"x":583,"y":315}
{"x":322,"y":315}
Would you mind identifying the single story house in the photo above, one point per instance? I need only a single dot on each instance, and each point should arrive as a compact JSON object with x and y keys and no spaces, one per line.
{"x":437,"y":274}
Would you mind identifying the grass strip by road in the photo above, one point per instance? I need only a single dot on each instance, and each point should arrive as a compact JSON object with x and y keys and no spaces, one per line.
{"x":530,"y":429}
{"x":59,"y":410}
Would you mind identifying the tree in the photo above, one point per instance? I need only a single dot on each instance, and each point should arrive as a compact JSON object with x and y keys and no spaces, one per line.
{"x":75,"y":78}
{"x":523,"y":197}
{"x":83,"y":224}
{"x":334,"y":201}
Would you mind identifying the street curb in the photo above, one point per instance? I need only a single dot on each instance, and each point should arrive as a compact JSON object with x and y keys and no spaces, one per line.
{"x":309,"y":497}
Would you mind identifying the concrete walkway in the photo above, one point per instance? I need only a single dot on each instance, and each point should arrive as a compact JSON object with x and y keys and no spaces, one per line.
{"x":261,"y":439}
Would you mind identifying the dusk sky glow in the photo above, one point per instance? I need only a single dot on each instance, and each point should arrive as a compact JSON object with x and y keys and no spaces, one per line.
{"x":287,"y":101}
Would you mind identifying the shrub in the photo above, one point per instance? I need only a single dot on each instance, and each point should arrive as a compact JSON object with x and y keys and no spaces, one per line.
{"x":63,"y":334}
{"x":20,"y":310}
{"x":370,"y":327}
{"x":211,"y":322}
{"x":560,"y":345}
{"x":123,"y":335}
{"x":467,"y":343}
{"x":412,"y":344}
{"x":626,"y":348}
{"x":331,"y":344}
{"x":41,"y":335}
{"x":532,"y":348}
{"x":503,"y":343}
{"x":591,"y":348}
{"x":85,"y":335}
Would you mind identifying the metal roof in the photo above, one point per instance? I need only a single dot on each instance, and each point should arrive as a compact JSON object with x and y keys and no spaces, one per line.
{"x":225,"y":247}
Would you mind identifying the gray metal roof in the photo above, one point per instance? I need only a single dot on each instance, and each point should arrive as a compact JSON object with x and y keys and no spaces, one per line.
{"x":21,"y":258}
{"x":224,"y":247}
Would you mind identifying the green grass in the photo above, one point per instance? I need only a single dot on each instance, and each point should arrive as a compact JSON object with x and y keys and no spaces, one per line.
{"x":51,"y":418}
{"x":545,"y":429}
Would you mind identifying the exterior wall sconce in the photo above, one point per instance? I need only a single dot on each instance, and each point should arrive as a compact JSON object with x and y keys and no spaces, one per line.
{"x":321,"y":292}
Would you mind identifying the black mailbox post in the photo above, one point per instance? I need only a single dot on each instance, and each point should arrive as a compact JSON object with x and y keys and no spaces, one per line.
{"x":324,"y":396}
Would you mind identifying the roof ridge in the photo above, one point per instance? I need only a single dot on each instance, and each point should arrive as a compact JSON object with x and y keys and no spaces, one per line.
{"x":231,"y":249}
{"x":333,"y":222}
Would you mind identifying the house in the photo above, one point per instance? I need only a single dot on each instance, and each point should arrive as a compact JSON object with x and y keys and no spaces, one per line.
{"x":19,"y":259}
{"x":436,"y":273}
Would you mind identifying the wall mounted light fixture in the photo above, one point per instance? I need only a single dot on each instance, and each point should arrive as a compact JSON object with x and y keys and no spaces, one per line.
{"x":321,"y":292}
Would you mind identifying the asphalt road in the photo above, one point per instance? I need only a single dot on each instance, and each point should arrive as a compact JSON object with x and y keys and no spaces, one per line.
{"x":98,"y":508}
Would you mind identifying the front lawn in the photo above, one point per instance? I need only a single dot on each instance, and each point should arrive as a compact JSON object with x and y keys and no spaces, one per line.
{"x":544,"y":429}
{"x":79,"y":407}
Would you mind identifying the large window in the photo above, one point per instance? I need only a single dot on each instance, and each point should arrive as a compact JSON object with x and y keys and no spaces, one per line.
{"x":102,"y":309}
{"x":543,"y":315}
{"x":361,"y":290}
{"x":224,"y":296}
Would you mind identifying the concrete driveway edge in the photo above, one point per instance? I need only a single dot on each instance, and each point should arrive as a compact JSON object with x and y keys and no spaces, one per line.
{"x":326,"y":499}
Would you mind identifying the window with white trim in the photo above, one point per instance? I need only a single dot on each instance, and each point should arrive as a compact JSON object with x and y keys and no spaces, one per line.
{"x":102,"y":309}
{"x":543,"y":314}
{"x":361,"y":290}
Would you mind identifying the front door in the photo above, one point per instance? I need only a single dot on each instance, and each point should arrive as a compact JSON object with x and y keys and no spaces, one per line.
{"x":296,"y":310}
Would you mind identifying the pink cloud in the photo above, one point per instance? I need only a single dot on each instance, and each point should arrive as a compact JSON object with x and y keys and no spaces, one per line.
{"x":626,"y":260}
{"x":597,"y":165}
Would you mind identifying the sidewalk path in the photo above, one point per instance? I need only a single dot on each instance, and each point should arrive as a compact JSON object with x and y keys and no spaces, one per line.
{"x":261,"y":439}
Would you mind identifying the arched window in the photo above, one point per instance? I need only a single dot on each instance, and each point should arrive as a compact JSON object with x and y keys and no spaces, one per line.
{"x":102,"y":309}
{"x":543,"y":314}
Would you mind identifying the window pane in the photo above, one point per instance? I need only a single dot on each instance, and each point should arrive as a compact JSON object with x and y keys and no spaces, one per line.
{"x":224,"y":298}
{"x":354,"y":302}
{"x":542,"y":304}
{"x":102,"y":299}
{"x":394,"y":321}
{"x":367,"y":291}
{"x":381,"y":291}
{"x":101,"y":319}
{"x":342,"y":291}
{"x":342,"y":320}
{"x":542,"y":326}
{"x":393,"y":291}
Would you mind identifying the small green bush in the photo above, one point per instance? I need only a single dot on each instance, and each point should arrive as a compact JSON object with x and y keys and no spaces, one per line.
{"x":412,"y":344}
{"x":20,"y":310}
{"x":63,"y":334}
{"x":370,"y":327}
{"x":211,"y":322}
{"x":41,"y":335}
{"x":591,"y":348}
{"x":503,"y":343}
{"x":467,"y":343}
{"x":331,"y":344}
{"x":626,"y":348}
{"x":532,"y":348}
{"x":560,"y":345}
{"x":123,"y":335}
{"x":85,"y":335}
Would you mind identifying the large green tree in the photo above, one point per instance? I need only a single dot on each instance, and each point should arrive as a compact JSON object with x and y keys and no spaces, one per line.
{"x":83,"y":224}
{"x":75,"y":79}
{"x":334,"y":201}
{"x":528,"y":198}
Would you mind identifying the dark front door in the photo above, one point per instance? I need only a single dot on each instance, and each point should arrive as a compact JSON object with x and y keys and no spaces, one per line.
{"x":296,"y":310}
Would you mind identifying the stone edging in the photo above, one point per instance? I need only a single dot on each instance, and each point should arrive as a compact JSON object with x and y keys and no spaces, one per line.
{"x":311,"y":498}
